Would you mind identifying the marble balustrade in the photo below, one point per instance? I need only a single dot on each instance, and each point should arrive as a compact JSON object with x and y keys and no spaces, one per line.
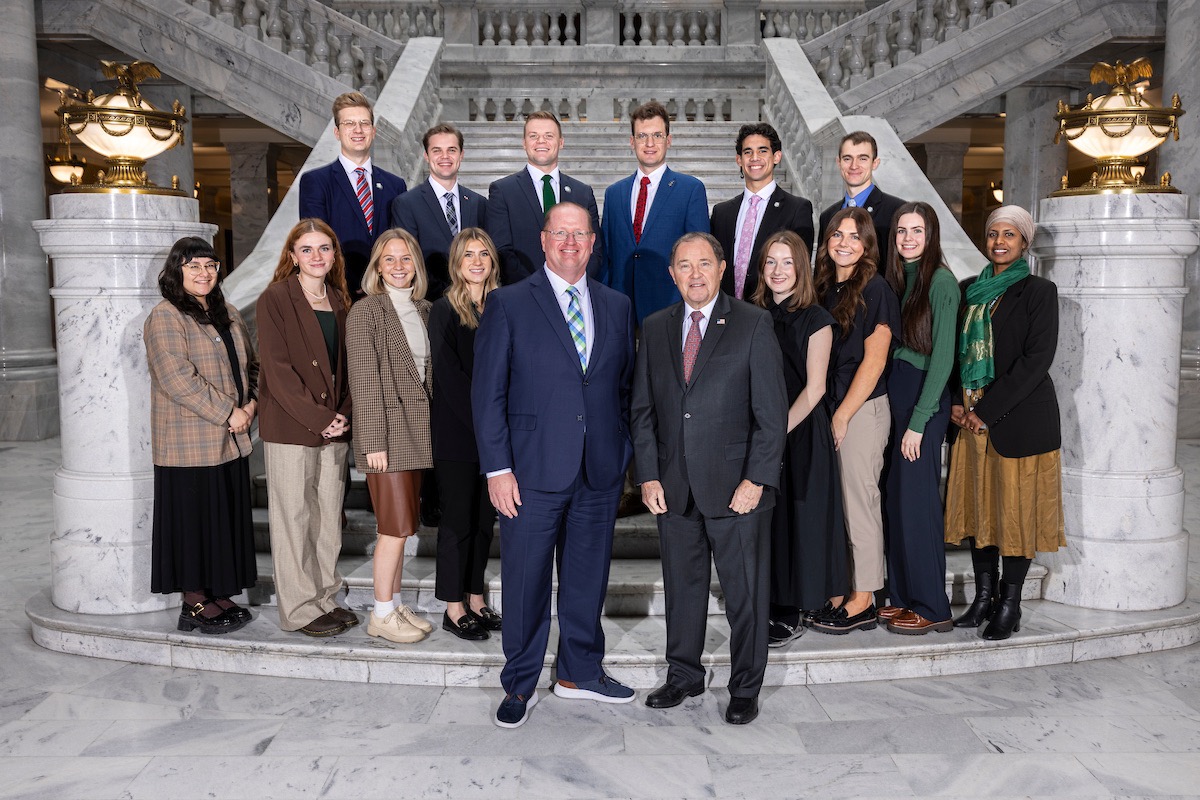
{"x":807,"y":21}
{"x":399,"y":21}
{"x":597,"y":105}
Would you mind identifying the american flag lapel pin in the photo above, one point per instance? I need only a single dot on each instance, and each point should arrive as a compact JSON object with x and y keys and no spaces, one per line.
{"x":721,"y":321}
{"x":672,"y":183}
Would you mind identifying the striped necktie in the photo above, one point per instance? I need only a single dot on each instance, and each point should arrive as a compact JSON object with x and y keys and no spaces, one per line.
{"x":451,"y":214}
{"x":575,"y":324}
{"x":364,"y":197}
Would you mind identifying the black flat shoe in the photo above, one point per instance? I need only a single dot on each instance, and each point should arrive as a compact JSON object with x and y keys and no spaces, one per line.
{"x":808,"y":618}
{"x":486,"y":617}
{"x":742,"y":710}
{"x":669,"y":695}
{"x":839,"y":622}
{"x":192,"y":617}
{"x":467,"y":627}
{"x":234,"y":610}
{"x":781,"y":633}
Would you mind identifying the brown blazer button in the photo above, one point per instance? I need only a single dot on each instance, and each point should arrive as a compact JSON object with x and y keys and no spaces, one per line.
{"x":324,"y":395}
{"x":315,"y":364}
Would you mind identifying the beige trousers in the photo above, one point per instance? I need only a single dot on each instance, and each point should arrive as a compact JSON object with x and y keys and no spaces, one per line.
{"x":305,"y":488}
{"x":860,"y":458}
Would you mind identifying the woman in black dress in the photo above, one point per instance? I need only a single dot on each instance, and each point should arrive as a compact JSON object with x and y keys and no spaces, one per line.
{"x":465,"y":532}
{"x":808,"y":529}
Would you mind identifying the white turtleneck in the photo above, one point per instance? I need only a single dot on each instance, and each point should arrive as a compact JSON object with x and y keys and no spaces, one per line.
{"x":414,"y":327}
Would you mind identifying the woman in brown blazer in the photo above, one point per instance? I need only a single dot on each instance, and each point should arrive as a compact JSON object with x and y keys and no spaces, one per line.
{"x":304,"y":421}
{"x":203,"y":381}
{"x":391,"y":382}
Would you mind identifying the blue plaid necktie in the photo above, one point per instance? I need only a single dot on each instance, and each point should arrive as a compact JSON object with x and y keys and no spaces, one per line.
{"x":575,"y":323}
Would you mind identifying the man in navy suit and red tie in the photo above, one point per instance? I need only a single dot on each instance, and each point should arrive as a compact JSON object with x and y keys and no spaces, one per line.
{"x":645,"y":213}
{"x":436,"y":210}
{"x":351,"y":195}
{"x":550,"y":398}
{"x":517,"y":204}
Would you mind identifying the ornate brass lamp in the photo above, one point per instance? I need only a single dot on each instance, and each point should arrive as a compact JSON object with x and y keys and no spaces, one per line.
{"x":1116,"y":129}
{"x":123,"y":127}
{"x":66,"y":167}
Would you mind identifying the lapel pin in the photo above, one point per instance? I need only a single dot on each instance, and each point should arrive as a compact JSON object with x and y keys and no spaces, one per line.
{"x":672,"y":183}
{"x":777,"y":204}
{"x":566,"y":189}
{"x":870,"y":210}
{"x":379,"y":186}
{"x":721,"y":321}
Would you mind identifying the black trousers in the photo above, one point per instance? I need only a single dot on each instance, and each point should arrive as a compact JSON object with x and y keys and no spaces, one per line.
{"x":740,"y":546}
{"x":465,"y":532}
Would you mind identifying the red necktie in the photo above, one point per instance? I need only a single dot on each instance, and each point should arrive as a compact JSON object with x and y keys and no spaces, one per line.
{"x":364,"y":196}
{"x":640,"y":214}
{"x":691,"y":346}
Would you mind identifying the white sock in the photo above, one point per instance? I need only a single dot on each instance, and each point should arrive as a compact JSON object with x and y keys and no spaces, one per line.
{"x":384,"y":607}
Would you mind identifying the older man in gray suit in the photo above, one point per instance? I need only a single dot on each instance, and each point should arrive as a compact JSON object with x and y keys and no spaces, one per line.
{"x":709,"y":422}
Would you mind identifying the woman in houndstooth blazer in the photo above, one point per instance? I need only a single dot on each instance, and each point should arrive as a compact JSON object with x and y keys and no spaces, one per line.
{"x":203,"y":389}
{"x":387,"y":348}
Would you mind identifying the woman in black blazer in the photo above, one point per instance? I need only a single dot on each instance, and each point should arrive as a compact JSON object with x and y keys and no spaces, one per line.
{"x":1005,"y":483}
{"x":465,"y":532}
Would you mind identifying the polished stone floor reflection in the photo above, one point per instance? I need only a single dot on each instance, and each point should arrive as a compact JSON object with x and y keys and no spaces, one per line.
{"x":73,"y":727}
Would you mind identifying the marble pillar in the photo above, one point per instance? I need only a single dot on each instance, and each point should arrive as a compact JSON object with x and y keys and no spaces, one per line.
{"x":1033,"y":163}
{"x":28,"y":378}
{"x":107,"y":251}
{"x":1118,"y":261}
{"x":1182,"y":160}
{"x":944,"y":168}
{"x":177,"y":161}
{"x":254,"y":192}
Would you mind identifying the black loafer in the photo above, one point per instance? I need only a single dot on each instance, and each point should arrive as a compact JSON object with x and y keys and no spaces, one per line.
{"x":467,"y":627}
{"x":839,"y":622}
{"x":486,"y":617}
{"x":741,"y":710}
{"x":669,"y":695}
{"x":807,"y":618}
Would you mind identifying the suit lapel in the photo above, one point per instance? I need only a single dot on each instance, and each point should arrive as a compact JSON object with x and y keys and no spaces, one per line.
{"x":435,"y":207}
{"x":395,"y":332}
{"x":470,"y":208}
{"x":566,"y":188}
{"x":599,"y":321}
{"x":675,"y":341}
{"x":1008,"y":303}
{"x":662,"y":196}
{"x":712,"y":336}
{"x":310,"y":329}
{"x":527,"y":189}
{"x":771,"y":217}
{"x":347,"y":186}
{"x":543,"y":293}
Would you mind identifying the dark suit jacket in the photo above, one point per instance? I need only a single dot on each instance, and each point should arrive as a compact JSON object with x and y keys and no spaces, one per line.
{"x":1020,"y":406}
{"x":784,"y":211}
{"x":515,"y":219}
{"x":639,"y":269}
{"x":728,"y":424}
{"x":299,"y":391}
{"x":534,"y":408}
{"x":452,"y":349}
{"x":882,"y":207}
{"x":421,"y":213}
{"x":327,"y":194}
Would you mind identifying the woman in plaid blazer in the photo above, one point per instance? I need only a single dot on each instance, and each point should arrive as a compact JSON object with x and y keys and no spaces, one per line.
{"x":391,"y":381}
{"x":203,"y":385}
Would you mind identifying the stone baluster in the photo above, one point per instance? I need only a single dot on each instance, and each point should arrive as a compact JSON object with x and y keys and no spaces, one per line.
{"x":370,"y":71}
{"x":423,"y":26}
{"x":710,"y":30}
{"x":661,"y":35}
{"x":694,"y":39}
{"x":320,"y":45}
{"x":769,"y":29}
{"x":345,"y":59}
{"x":800,"y":26}
{"x":537,"y":32}
{"x":883,"y":50}
{"x":226,"y":12}
{"x":833,"y":72}
{"x":952,"y":17}
{"x":785,"y":27}
{"x":250,"y":17}
{"x":489,"y":30}
{"x":623,"y":108}
{"x":505,"y":30}
{"x":928,"y":25}
{"x":406,"y":24}
{"x":628,"y":31}
{"x":387,"y":25}
{"x":977,"y":12}
{"x":677,"y":30}
{"x":297,"y":43}
{"x":571,"y":31}
{"x":521,"y":33}
{"x":858,"y":63}
{"x":644,"y":33}
{"x":274,"y":24}
{"x":904,"y":36}
{"x":554,"y":36}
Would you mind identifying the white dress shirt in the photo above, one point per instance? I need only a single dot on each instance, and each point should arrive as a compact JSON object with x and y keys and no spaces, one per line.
{"x":687,"y":319}
{"x":655,"y":178}
{"x":765,"y":193}
{"x":439,"y":192}
{"x":536,"y":174}
{"x":350,"y":166}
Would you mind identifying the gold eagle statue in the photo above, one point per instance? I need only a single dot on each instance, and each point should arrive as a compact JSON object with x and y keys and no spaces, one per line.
{"x":130,"y":75}
{"x":1122,"y":74}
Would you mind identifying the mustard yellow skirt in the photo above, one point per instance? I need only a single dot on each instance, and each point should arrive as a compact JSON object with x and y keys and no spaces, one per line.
{"x":1011,"y":503}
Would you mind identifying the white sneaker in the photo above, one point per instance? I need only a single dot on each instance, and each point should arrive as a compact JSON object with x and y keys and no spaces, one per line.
{"x":394,"y":628}
{"x":413,"y":619}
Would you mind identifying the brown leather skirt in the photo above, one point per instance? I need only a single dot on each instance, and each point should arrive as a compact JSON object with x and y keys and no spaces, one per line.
{"x":397,"y":500}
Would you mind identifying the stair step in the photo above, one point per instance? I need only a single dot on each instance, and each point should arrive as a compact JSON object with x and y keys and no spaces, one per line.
{"x":635,"y":587}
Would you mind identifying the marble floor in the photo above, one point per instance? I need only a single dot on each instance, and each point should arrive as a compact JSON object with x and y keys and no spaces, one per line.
{"x":73,"y":727}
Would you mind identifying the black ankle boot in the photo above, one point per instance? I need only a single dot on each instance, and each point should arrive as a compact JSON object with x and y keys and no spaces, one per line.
{"x":980,"y":610}
{"x":1007,"y":617}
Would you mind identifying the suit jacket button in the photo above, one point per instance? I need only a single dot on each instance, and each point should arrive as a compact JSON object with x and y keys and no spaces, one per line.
{"x":315,"y":364}
{"x":324,"y":395}
{"x":687,"y":416}
{"x":579,"y":418}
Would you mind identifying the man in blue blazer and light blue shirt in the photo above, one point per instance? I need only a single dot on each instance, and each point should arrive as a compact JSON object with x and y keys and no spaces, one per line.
{"x":350,"y":195}
{"x":436,"y":210}
{"x":646,"y":213}
{"x":517,"y":204}
{"x":550,"y":397}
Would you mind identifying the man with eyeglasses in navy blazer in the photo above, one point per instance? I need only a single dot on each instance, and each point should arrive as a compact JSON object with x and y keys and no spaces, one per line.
{"x":351,"y":195}
{"x":646,"y":213}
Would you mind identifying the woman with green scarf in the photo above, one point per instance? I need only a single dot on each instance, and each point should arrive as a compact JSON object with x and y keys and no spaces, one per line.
{"x":1005,"y":482}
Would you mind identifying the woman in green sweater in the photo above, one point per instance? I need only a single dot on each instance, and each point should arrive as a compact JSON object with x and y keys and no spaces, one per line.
{"x":920,"y":401}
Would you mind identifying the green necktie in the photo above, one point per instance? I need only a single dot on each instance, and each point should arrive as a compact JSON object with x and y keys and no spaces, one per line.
{"x":548,"y":200}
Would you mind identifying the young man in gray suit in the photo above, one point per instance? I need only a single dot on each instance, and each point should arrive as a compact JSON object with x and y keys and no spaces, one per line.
{"x":709,"y":422}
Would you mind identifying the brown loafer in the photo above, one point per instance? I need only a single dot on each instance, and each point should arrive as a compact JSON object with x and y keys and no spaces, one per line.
{"x":344,"y":616}
{"x":324,"y":625}
{"x":889,"y":613}
{"x":913,"y":624}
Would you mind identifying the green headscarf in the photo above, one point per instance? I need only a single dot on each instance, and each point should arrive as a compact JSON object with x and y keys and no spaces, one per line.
{"x":976,"y":365}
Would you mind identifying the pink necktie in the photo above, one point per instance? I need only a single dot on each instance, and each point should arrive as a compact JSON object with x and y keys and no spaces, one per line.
{"x":364,"y":196}
{"x":691,"y":346}
{"x":640,"y":214}
{"x":741,"y":261}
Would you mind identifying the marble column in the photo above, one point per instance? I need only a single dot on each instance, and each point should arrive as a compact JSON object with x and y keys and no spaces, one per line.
{"x":944,"y":168}
{"x":1118,"y":261}
{"x":254,"y":191}
{"x":1033,"y":163}
{"x":1182,"y":160}
{"x":107,"y":251}
{"x":28,"y":379}
{"x":177,"y":161}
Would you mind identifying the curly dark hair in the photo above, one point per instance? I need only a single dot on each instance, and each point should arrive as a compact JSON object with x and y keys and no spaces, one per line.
{"x":170,"y":283}
{"x":850,"y":298}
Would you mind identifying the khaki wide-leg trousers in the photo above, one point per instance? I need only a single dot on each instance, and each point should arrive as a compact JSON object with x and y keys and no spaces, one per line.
{"x":861,"y":460}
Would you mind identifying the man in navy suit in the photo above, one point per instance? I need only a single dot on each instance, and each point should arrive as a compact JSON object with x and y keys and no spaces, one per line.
{"x":550,"y":398}
{"x":858,"y":158}
{"x":517,"y":204}
{"x":436,"y":210}
{"x":741,"y":224}
{"x":645,"y":213}
{"x":351,"y":195}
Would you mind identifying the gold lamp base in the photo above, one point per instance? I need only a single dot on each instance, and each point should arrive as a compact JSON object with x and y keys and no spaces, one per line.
{"x":1114,"y":175}
{"x":125,"y":175}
